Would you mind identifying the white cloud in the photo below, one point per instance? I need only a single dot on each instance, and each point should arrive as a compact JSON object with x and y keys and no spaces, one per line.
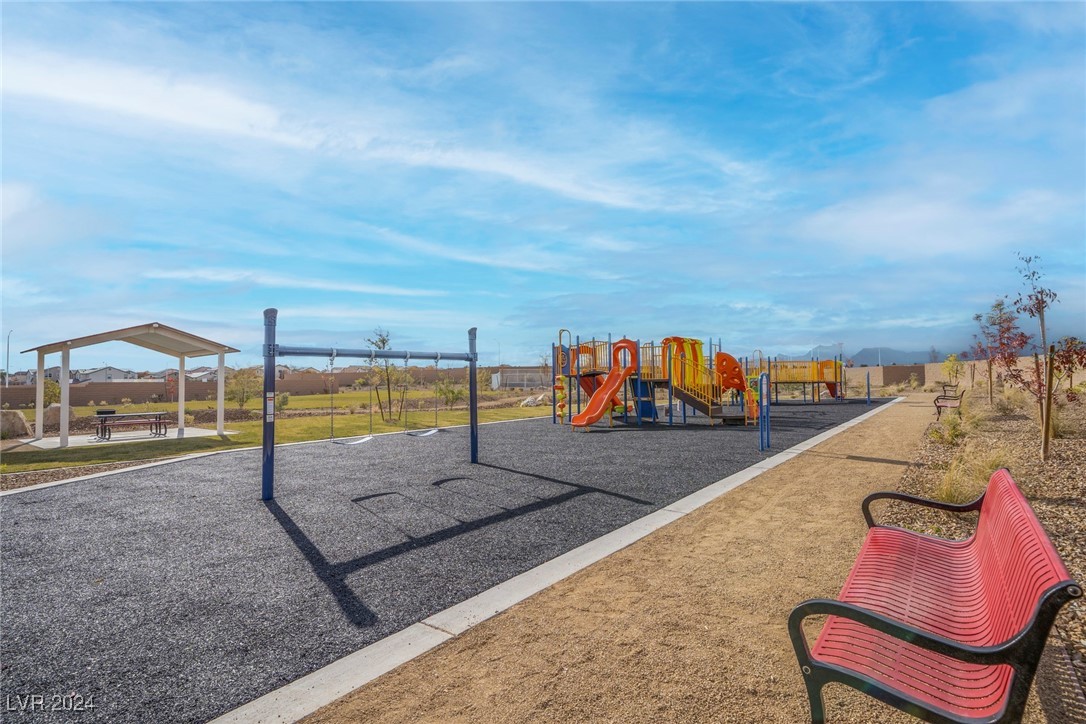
{"x":199,"y":104}
{"x":31,"y":223}
{"x":923,"y":222}
{"x":264,"y":279}
{"x":518,"y":257}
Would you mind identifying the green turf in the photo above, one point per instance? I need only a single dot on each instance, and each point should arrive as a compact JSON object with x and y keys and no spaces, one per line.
{"x":345,"y":399}
{"x":296,"y":429}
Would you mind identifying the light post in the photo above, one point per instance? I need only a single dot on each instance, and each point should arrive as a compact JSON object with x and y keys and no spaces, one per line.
{"x":7,"y":360}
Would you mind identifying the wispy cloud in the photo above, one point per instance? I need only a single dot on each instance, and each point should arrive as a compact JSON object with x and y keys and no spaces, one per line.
{"x":282,"y":281}
{"x":155,"y":95}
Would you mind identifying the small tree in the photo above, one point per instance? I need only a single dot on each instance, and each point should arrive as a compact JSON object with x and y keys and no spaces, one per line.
{"x":545,"y":368}
{"x":1003,"y":340}
{"x":1035,"y":299}
{"x":448,"y":391}
{"x":52,"y":392}
{"x":385,"y":373}
{"x":952,"y":368}
{"x":1068,"y":358}
{"x":243,"y":385}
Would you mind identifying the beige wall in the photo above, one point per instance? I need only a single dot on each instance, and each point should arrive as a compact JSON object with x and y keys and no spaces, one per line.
{"x":93,"y":393}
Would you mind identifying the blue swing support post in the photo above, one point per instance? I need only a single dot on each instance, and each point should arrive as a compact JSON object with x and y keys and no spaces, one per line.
{"x":272,"y":351}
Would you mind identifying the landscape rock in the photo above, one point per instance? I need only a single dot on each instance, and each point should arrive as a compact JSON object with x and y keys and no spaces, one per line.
{"x":52,"y":415}
{"x":13,"y":424}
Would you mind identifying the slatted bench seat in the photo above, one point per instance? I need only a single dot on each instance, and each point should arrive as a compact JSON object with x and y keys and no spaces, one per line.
{"x":948,"y":402}
{"x":949,"y":631}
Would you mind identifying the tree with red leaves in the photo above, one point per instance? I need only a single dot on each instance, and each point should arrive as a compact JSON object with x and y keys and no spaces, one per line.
{"x":1069,"y":357}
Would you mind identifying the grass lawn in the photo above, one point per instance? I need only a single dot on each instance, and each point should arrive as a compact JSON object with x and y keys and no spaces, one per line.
{"x":344,"y":399}
{"x":295,"y":429}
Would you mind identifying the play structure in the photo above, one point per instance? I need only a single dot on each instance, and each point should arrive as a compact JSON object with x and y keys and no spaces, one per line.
{"x":601,"y":378}
{"x":272,"y":351}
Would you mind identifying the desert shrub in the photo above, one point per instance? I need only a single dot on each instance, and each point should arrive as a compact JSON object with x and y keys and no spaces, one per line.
{"x":1063,"y":426}
{"x":103,"y":402}
{"x":929,"y":388}
{"x":449,"y":392}
{"x":126,"y":402}
{"x":282,"y":399}
{"x":5,"y":405}
{"x":914,"y":380}
{"x":948,"y":431}
{"x":190,"y":420}
{"x":1011,"y":402}
{"x":969,"y":472}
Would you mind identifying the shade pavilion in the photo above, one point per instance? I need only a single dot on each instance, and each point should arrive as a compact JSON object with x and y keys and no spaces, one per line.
{"x":153,"y":336}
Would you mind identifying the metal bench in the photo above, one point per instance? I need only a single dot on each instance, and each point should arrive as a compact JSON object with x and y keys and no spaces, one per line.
{"x":948,"y":402}
{"x":949,"y":631}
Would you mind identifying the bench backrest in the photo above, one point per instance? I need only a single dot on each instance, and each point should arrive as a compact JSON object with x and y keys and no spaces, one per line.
{"x":1018,"y":561}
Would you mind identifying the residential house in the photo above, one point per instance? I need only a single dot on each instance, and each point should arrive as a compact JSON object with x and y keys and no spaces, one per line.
{"x":104,"y":374}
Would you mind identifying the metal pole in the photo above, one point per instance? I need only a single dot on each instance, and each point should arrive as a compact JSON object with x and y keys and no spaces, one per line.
{"x":670,"y":389}
{"x":869,"y":388}
{"x":575,"y":358}
{"x":7,"y":361}
{"x":554,"y":381}
{"x":268,"y":458}
{"x":473,"y":396}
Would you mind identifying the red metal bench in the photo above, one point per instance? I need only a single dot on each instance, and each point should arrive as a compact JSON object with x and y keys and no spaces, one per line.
{"x":950,"y":631}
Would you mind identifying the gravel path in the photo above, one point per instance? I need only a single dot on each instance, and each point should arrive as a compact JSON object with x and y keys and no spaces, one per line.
{"x":688,"y":624}
{"x":174,"y":594}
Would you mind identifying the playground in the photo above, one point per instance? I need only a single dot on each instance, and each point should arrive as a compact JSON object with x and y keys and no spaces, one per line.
{"x":176,"y":589}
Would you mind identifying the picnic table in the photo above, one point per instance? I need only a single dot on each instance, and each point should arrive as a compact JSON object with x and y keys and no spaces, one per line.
{"x":108,"y":420}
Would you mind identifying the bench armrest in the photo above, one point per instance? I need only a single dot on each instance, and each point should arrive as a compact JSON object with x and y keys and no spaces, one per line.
{"x":981,"y":655}
{"x":890,"y":495}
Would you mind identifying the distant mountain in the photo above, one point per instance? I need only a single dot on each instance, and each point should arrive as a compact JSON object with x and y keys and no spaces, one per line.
{"x":870,"y":356}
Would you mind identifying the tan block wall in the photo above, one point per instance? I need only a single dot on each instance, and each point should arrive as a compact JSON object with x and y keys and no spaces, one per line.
{"x":93,"y":393}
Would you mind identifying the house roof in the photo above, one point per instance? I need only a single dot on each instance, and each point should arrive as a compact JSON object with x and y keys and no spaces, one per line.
{"x":154,"y":336}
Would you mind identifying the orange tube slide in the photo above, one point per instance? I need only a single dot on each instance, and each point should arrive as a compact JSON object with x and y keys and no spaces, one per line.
{"x":612,"y":383}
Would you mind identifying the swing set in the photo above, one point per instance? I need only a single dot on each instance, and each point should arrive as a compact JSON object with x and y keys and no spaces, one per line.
{"x":272,"y":351}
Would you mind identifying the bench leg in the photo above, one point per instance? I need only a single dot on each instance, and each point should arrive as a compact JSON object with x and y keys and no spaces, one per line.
{"x":811,"y":676}
{"x":814,"y":696}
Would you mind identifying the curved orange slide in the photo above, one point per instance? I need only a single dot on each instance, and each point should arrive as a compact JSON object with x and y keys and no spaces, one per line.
{"x":602,"y":399}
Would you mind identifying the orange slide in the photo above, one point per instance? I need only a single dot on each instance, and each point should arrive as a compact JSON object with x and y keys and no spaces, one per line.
{"x":602,"y":399}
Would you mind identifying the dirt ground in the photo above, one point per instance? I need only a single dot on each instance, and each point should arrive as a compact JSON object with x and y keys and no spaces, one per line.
{"x":687,"y":625}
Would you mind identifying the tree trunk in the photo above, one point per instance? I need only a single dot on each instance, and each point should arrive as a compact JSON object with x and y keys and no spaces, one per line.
{"x":1046,"y":434}
{"x":991,"y":400}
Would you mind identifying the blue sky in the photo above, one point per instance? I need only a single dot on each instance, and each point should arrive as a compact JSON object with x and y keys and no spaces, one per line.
{"x":776,"y":175}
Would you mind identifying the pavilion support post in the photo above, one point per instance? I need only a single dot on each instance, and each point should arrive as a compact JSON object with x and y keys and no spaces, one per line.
{"x":220,"y":394}
{"x":65,"y":359}
{"x":181,"y":396}
{"x":39,"y":404}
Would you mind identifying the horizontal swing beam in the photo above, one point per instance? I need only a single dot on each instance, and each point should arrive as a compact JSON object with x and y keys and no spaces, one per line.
{"x":285,"y":351}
